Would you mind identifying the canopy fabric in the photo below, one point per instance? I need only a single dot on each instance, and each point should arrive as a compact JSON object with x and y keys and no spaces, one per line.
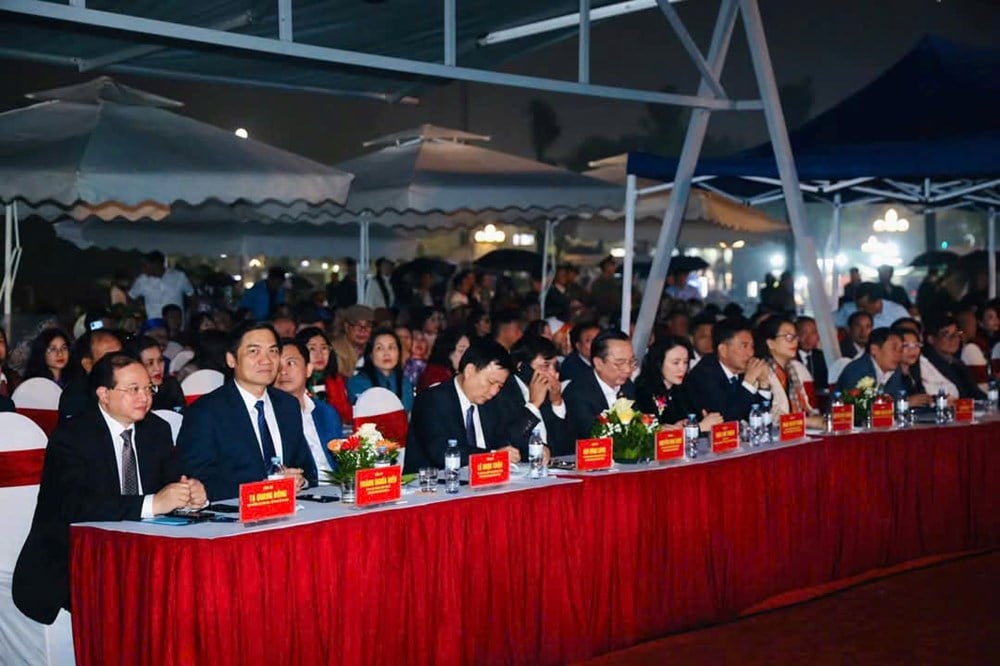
{"x":401,"y":28}
{"x":96,"y":151}
{"x":932,"y":114}
{"x":432,"y":183}
{"x":247,"y":238}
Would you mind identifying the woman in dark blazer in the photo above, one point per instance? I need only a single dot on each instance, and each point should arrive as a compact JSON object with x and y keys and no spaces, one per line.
{"x":658,"y":387}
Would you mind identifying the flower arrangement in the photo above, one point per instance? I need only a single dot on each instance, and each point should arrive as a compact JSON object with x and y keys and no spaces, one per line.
{"x":862,"y":396}
{"x":631,"y":431}
{"x":362,"y":450}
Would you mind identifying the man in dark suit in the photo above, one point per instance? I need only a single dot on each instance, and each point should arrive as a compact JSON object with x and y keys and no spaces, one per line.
{"x":464,"y":409}
{"x":113,"y":462}
{"x":943,"y":350}
{"x":231,"y":435}
{"x":731,"y":380}
{"x":880,"y":362}
{"x":577,"y":364}
{"x":859,"y":327}
{"x":611,"y":378}
{"x":535,"y":393}
{"x":88,"y":349}
{"x":811,"y":355}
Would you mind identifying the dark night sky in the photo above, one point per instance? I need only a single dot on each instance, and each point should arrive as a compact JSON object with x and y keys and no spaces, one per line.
{"x":841,"y":45}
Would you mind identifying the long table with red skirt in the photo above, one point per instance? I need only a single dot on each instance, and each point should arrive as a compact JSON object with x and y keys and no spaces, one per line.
{"x":550,"y":574}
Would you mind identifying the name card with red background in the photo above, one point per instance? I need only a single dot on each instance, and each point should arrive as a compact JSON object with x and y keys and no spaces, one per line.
{"x":669,"y":444}
{"x":264,"y":500}
{"x":378,"y":485}
{"x":843,"y":418}
{"x":489,"y":469}
{"x":594,"y":454}
{"x":883,"y":413}
{"x":725,"y":437}
{"x":965,"y":410}
{"x":791,"y":427}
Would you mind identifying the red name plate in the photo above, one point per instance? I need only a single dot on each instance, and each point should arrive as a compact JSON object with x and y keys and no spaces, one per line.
{"x":489,"y":469}
{"x":670,"y":444}
{"x":378,"y":485}
{"x":882,"y":414}
{"x":593,"y":454}
{"x":791,"y":427}
{"x":262,"y":500}
{"x":964,"y":410}
{"x":725,"y":436}
{"x":843,"y":418}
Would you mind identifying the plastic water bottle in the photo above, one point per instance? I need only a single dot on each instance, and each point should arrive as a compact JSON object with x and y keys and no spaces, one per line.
{"x":536,"y":454}
{"x":452,"y":463}
{"x":275,"y":470}
{"x":768,"y":437}
{"x":756,"y":425}
{"x":902,"y":410}
{"x":691,"y":434}
{"x":993,"y":397}
{"x":941,"y":407}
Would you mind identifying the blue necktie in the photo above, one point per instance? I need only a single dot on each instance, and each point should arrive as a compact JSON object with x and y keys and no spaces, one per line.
{"x":266,"y":443}
{"x":470,"y":426}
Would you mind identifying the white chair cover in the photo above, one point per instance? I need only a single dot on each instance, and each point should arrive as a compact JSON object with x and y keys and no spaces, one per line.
{"x":200,"y":382}
{"x":383,"y":408}
{"x":173,"y":419}
{"x":38,"y":399}
{"x":22,"y":640}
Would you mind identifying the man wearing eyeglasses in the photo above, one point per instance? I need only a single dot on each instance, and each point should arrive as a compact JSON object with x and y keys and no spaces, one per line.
{"x":113,"y":462}
{"x":350,"y":345}
{"x":611,"y":378}
{"x":944,"y":341}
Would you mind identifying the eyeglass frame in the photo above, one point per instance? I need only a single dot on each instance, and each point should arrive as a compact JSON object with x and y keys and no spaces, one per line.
{"x":150,"y":390}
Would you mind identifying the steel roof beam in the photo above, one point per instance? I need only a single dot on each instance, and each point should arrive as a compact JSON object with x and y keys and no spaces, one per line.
{"x":692,"y":49}
{"x":306,"y":52}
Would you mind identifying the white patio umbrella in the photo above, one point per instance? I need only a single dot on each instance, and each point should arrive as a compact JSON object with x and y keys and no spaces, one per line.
{"x":101,"y":148}
{"x":428,"y":178}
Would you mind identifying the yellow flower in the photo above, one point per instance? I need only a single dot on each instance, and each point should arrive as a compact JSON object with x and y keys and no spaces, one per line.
{"x":623,"y":409}
{"x":866,"y":383}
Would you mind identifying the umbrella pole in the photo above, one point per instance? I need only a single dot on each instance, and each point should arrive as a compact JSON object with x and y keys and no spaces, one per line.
{"x":991,"y":258}
{"x":630,"y":198}
{"x":11,"y":262}
{"x":547,"y":241}
{"x":834,"y":250}
{"x":363,"y":261}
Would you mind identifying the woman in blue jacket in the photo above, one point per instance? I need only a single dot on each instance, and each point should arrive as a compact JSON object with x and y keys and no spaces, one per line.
{"x":383,"y":367}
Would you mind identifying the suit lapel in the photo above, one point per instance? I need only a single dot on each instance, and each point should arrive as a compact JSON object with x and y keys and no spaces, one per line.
{"x":244,"y":429}
{"x":145,"y":448}
{"x":108,"y":452}
{"x":454,"y":407}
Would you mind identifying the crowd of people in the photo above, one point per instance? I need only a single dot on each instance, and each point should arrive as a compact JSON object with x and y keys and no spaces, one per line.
{"x":468,"y":363}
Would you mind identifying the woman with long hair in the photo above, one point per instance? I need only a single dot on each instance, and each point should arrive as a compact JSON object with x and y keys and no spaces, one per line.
{"x":382,"y":366}
{"x":168,"y":390}
{"x":49,"y":356}
{"x":791,"y":384}
{"x":659,"y":388}
{"x":325,"y":383}
{"x":442,"y":364}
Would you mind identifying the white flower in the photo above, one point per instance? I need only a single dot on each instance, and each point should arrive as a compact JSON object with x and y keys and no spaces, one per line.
{"x":369,"y":433}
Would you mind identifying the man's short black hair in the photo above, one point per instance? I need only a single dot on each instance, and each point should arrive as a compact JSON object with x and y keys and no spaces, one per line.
{"x":103,"y":373}
{"x":239,"y":332}
{"x":139,"y":344}
{"x":599,"y":347}
{"x":155,"y":257}
{"x":726,"y":330}
{"x":505,"y":318}
{"x":933,"y":325}
{"x":275,"y":273}
{"x":483,"y":352}
{"x":857,"y":314}
{"x":871,"y":291}
{"x":298,"y":344}
{"x":529,"y":347}
{"x":804,"y":319}
{"x":879,"y":336}
{"x":908,"y":324}
{"x":577,"y":331}
{"x":171,"y":307}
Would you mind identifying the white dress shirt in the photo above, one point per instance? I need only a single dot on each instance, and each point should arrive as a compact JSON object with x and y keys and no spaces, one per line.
{"x":465,"y":404}
{"x":610,"y":393}
{"x":117,"y":429}
{"x":558,"y":410}
{"x":170,"y":288}
{"x":312,"y":439}
{"x":764,"y":393}
{"x":250,"y":401}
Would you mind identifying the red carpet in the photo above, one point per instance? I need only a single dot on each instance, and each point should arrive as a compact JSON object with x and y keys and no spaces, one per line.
{"x":945,"y":614}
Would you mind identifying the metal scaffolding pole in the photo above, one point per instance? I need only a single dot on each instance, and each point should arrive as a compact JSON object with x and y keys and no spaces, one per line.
{"x":761,"y":58}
